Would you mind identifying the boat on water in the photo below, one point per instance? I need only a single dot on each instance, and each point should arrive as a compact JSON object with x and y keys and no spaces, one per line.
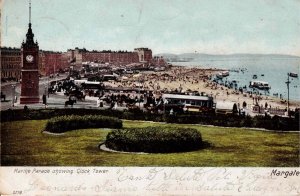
{"x":219,"y":75}
{"x":262,"y":74}
{"x":225,"y":73}
{"x":254,"y":76}
{"x":222,"y":74}
{"x":260,"y":85}
{"x":294,"y":75}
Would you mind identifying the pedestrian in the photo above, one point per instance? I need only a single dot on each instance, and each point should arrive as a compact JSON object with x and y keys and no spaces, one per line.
{"x":244,"y":104}
{"x":98,"y":102}
{"x":171,"y":111}
{"x":44,"y":100}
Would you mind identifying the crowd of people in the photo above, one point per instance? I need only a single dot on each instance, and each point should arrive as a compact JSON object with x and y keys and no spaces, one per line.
{"x":177,"y":79}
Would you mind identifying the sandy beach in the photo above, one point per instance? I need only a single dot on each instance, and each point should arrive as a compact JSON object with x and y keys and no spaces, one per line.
{"x":197,"y":79}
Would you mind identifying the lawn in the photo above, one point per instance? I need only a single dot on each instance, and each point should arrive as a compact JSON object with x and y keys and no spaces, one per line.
{"x":24,"y":144}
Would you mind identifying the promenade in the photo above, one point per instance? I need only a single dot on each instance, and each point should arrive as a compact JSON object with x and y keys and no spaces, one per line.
{"x":183,"y":79}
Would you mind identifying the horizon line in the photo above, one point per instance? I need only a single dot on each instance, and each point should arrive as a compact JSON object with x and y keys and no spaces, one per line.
{"x":224,"y":54}
{"x":227,"y":54}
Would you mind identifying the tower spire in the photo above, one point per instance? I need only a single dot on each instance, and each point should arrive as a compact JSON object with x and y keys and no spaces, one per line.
{"x":29,"y":11}
{"x":29,"y":35}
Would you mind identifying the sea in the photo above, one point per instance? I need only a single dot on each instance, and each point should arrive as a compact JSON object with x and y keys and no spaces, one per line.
{"x":273,"y":70}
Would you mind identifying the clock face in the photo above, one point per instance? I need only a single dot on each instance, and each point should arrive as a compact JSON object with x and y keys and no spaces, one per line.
{"x":29,"y":58}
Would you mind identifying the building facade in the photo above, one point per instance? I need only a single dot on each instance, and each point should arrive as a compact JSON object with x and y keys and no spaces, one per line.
{"x":49,"y":62}
{"x":159,"y":61}
{"x":139,"y":55}
{"x":52,"y":62}
{"x":144,"y":54}
{"x":110,"y":57}
{"x":10,"y":64}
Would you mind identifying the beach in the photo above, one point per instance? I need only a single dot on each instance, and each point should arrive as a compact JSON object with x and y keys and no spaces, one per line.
{"x":188,"y":79}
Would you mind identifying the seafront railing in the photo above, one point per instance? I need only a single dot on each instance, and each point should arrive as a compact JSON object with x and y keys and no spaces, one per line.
{"x":273,"y":111}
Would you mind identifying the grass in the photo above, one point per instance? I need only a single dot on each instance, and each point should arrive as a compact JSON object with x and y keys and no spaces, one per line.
{"x":24,"y":144}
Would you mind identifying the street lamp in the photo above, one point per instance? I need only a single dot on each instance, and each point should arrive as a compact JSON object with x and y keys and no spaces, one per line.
{"x":48,"y":85}
{"x":288,"y":87}
{"x":45,"y":90}
{"x":45,"y":94}
{"x":165,"y":101}
{"x":55,"y":68}
{"x":13,"y":94}
{"x":140,"y":86}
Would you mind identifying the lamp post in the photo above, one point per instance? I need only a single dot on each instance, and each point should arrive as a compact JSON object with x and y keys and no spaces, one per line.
{"x":54,"y":70}
{"x":44,"y":96}
{"x":13,"y":94}
{"x":165,"y":101}
{"x":139,"y":97}
{"x":288,"y":88}
{"x":48,"y":85}
{"x":140,"y":82}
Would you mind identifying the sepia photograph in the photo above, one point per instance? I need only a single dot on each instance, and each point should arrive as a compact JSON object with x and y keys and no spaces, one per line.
{"x":151,"y":84}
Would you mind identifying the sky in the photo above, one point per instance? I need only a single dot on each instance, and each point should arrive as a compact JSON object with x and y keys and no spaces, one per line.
{"x":165,"y":26}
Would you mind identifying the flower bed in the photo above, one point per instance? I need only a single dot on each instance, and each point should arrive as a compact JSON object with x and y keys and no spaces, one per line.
{"x":154,"y":140}
{"x":62,"y":124}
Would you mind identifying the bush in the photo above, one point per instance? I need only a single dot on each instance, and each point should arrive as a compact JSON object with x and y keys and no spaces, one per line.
{"x":228,"y":120}
{"x":38,"y":114}
{"x":154,"y":140}
{"x":62,"y":124}
{"x":247,"y":121}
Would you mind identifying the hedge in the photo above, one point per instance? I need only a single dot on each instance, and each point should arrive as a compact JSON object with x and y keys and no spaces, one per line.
{"x":39,"y":114}
{"x":267,"y":122}
{"x":154,"y":140}
{"x":274,"y":123}
{"x":66,"y":123}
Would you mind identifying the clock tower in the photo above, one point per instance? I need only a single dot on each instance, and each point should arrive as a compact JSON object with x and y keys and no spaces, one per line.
{"x":30,"y":70}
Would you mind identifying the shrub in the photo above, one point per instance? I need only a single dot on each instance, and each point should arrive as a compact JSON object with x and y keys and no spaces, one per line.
{"x":247,"y":121}
{"x":229,"y":120}
{"x":62,"y":124}
{"x":154,"y":140}
{"x":263,"y":122}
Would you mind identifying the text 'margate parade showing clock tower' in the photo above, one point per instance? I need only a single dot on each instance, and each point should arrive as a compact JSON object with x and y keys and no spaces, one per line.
{"x":30,"y":70}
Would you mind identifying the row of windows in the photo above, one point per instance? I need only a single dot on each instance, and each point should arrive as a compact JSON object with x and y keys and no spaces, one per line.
{"x":113,"y":57}
{"x":10,"y":53}
{"x":9,"y":74}
{"x":191,"y":102}
{"x":11,"y":66}
{"x":11,"y":58}
{"x":111,"y":60}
